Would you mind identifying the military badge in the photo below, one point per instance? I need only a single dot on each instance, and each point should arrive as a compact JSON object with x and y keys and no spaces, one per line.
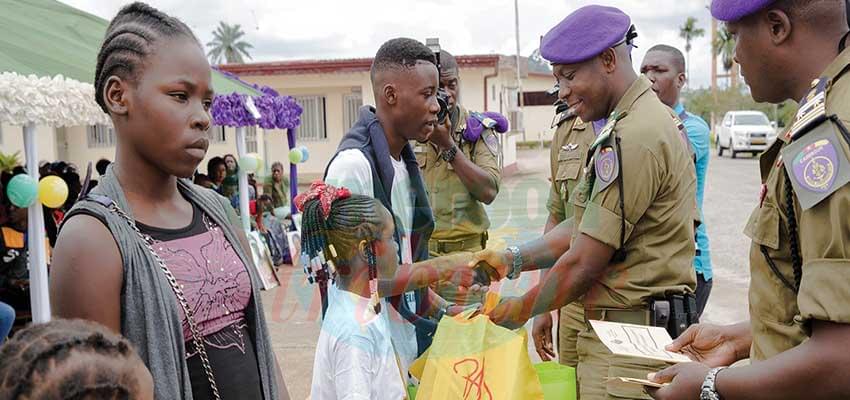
{"x":492,"y":143}
{"x":607,"y":168}
{"x":817,"y":164}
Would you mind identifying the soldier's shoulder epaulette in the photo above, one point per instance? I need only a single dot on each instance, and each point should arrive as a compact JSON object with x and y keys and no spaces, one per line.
{"x":563,"y":117}
{"x":812,"y":110}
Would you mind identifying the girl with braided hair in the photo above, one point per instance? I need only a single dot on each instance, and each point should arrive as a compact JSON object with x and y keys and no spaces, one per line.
{"x":349,"y":238}
{"x":151,"y":255}
{"x":72,"y":359}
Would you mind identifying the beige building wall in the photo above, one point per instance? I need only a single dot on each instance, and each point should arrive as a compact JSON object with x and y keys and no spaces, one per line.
{"x":71,"y":143}
{"x":12,"y":140}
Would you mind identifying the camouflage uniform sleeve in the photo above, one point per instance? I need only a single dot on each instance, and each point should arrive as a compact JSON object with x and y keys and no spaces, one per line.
{"x":486,"y":159}
{"x":642,"y":173}
{"x":825,"y":285}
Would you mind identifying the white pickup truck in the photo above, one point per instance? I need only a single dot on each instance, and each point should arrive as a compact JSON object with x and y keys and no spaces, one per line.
{"x":744,"y":132}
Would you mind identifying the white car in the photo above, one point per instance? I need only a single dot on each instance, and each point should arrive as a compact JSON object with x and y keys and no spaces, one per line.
{"x":744,"y":132}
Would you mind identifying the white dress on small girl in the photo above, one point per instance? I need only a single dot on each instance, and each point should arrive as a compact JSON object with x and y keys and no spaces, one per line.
{"x":354,"y":355}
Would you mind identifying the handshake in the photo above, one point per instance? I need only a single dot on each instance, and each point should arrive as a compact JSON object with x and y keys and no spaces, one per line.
{"x":472,"y":272}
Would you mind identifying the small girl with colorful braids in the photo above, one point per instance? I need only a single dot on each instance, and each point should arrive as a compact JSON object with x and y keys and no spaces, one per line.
{"x":348,"y":240}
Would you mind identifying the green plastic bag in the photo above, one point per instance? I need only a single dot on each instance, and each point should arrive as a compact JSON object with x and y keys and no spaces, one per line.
{"x":558,"y":381}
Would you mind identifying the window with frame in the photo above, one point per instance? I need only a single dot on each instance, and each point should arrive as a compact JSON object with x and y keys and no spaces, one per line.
{"x":251,"y":139}
{"x":351,"y":104}
{"x":217,"y":134}
{"x":100,"y":136}
{"x":313,"y":118}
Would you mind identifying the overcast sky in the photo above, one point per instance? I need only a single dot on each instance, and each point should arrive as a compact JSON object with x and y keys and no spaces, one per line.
{"x":287,"y":29}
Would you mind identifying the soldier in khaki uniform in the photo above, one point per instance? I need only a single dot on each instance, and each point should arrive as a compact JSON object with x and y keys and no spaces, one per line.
{"x":461,"y":174}
{"x":567,"y":154}
{"x":799,"y":297}
{"x":633,"y":240}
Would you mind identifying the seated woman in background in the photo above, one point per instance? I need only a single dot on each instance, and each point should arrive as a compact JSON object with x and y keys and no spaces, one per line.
{"x":72,"y":359}
{"x":277,"y":186}
{"x":216,"y":172}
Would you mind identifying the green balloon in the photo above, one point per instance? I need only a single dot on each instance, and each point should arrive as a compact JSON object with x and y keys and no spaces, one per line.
{"x":295,"y":156}
{"x":249,"y":163}
{"x":22,"y":190}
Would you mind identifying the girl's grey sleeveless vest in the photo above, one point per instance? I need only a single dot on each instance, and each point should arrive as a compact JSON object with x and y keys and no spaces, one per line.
{"x":149,"y":308}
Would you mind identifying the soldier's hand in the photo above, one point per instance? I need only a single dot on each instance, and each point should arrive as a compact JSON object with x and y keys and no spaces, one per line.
{"x":685,"y":381}
{"x":455,"y":269}
{"x":495,"y":260}
{"x":509,"y":313}
{"x":712,"y":345}
{"x":442,"y":135}
{"x":542,"y":335}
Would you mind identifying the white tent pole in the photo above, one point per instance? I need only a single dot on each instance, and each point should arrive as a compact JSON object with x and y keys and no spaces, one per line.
{"x":39,"y":295}
{"x":244,"y":212}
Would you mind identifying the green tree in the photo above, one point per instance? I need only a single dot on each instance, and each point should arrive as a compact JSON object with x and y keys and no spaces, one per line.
{"x":689,"y":32}
{"x":724,"y":46}
{"x":9,"y":161}
{"x":227,"y":44}
{"x":701,"y":102}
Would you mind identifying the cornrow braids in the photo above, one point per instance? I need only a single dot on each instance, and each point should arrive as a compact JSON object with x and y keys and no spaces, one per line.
{"x":129,"y":39}
{"x":350,"y":220}
{"x":68,"y":359}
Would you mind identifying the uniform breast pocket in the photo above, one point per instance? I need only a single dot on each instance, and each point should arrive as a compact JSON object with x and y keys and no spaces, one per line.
{"x":460,"y":200}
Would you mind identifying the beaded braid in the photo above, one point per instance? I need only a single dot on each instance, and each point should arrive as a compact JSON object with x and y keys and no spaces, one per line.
{"x":129,"y":39}
{"x":32,"y":357}
{"x":372,"y":261}
{"x":796,"y":257}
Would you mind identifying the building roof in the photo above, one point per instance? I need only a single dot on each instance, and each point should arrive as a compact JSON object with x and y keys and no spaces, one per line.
{"x":48,"y":38}
{"x":293,"y":67}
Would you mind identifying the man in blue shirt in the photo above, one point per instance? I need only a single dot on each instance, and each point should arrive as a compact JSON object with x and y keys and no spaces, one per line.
{"x":665,"y":67}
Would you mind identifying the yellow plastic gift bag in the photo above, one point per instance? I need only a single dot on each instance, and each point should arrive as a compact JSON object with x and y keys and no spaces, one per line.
{"x":475,"y":359}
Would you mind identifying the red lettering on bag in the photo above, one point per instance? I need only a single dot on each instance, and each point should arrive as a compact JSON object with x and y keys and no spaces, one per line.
{"x":475,"y":379}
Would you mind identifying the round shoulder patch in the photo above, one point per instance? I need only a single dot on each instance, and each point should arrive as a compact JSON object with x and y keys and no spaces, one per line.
{"x":606,"y":164}
{"x":814,"y":167}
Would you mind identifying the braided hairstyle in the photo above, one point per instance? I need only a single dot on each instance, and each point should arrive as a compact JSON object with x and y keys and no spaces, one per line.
{"x":69,"y":359}
{"x":129,"y":39}
{"x":350,"y":220}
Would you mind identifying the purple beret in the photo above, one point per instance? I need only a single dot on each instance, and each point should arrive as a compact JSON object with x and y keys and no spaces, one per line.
{"x":733,"y":10}
{"x":585,"y":34}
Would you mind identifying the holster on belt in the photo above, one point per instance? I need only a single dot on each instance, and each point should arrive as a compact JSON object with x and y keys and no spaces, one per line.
{"x":674,"y":313}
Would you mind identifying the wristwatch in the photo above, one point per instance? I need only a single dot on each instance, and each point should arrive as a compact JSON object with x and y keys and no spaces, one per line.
{"x":516,"y":265}
{"x":449,"y":155}
{"x":708,"y":391}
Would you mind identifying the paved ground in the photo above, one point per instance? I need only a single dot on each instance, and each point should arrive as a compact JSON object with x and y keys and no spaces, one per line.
{"x":519,"y":213}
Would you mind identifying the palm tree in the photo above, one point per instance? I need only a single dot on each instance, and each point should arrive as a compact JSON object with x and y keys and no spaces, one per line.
{"x":689,"y":32}
{"x":724,"y":46}
{"x":8,"y":162}
{"x":226,"y":44}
